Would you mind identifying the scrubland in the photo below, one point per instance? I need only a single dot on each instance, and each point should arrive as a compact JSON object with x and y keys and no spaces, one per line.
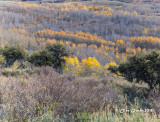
{"x":98,"y":34}
{"x":45,"y":95}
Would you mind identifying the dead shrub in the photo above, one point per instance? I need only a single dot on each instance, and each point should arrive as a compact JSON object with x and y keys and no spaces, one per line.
{"x":46,"y":90}
{"x":70,"y":95}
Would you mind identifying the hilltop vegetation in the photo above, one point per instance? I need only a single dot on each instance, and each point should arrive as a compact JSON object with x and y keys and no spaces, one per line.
{"x":109,"y":22}
{"x":71,"y":60}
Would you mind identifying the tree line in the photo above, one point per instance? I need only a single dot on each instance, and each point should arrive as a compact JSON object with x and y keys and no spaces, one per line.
{"x":137,"y":68}
{"x":53,"y":55}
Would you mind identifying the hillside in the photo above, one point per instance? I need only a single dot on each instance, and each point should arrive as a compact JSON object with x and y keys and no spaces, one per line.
{"x":97,"y":35}
{"x":115,"y":21}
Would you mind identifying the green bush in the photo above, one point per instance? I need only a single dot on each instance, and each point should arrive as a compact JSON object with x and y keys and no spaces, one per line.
{"x":12,"y":54}
{"x":53,"y":55}
{"x":139,"y":68}
{"x":43,"y":58}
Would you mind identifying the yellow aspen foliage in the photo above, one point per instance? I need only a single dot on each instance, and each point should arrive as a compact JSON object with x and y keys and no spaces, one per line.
{"x":90,"y":65}
{"x":106,"y":66}
{"x":67,"y":43}
{"x":51,"y":41}
{"x":125,"y":12}
{"x":82,"y":45}
{"x":119,"y":42}
{"x":72,"y":65}
{"x":73,"y":45}
{"x":138,"y":49}
{"x":127,"y":50}
{"x":106,"y":48}
{"x":134,"y":13}
{"x":15,"y":65}
{"x":101,"y":9}
{"x":5,"y":42}
{"x":146,"y":42}
{"x":132,"y":39}
{"x":130,"y":51}
{"x":69,"y":61}
{"x":134,"y":51}
{"x":117,"y":55}
{"x":90,"y":62}
{"x":92,"y":46}
{"x":98,"y":9}
{"x":145,"y":31}
{"x":61,"y":42}
{"x":112,"y":63}
{"x":102,"y":46}
{"x":123,"y":54}
{"x":124,"y":57}
{"x":79,"y":36}
{"x":97,"y":51}
{"x":106,"y":54}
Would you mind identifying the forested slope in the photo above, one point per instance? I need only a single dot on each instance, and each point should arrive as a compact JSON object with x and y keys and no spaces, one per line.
{"x":87,"y":44}
{"x":101,"y":23}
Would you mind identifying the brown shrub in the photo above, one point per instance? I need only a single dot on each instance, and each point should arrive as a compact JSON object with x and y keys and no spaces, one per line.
{"x":46,"y":90}
{"x":154,"y":99}
{"x":69,"y":94}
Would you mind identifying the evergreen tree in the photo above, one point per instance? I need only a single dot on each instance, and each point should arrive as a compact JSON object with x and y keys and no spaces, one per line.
{"x":13,"y":53}
{"x":140,"y":67}
{"x":53,"y":55}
